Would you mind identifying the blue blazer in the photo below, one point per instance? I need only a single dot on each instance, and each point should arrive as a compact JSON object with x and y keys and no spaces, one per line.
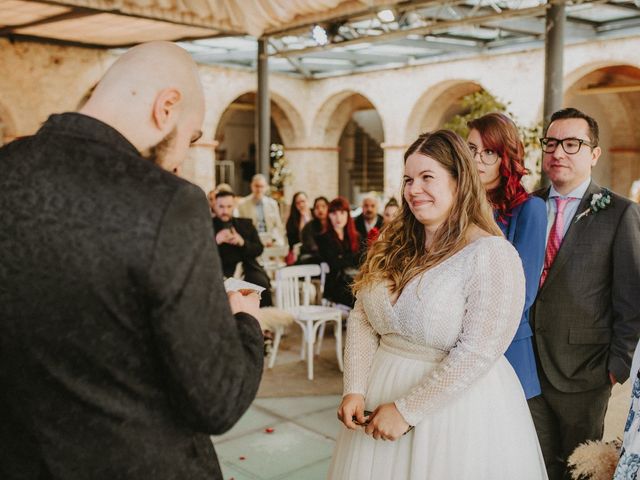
{"x":526,"y":229}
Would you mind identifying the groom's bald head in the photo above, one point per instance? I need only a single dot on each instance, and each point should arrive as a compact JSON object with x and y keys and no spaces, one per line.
{"x":152,"y":94}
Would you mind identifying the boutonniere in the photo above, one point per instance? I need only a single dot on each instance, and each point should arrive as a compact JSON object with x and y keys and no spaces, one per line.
{"x":599,"y":201}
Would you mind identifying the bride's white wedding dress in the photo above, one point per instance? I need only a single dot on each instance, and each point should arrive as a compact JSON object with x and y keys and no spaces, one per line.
{"x":438,"y":354}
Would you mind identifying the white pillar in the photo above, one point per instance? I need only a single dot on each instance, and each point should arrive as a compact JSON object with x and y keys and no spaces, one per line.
{"x":199,"y":168}
{"x":393,"y":170}
{"x":314,"y":171}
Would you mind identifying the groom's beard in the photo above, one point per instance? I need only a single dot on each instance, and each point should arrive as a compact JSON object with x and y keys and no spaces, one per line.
{"x":158,"y":153}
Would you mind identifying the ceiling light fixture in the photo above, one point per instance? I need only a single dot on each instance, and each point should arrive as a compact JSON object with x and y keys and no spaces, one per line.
{"x":386,"y":15}
{"x":319,"y":34}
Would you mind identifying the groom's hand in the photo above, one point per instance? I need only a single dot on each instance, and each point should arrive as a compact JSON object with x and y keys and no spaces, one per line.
{"x":613,"y":378}
{"x":387,"y":423}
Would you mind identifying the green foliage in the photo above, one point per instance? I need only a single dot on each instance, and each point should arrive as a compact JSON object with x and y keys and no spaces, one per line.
{"x":476,"y":105}
{"x":480,"y":103}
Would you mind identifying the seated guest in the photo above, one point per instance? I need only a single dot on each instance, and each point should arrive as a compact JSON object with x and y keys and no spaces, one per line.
{"x":299,"y":216}
{"x":263,"y":211}
{"x":238,"y":242}
{"x":211,"y":196}
{"x":390,"y":210}
{"x":339,"y":246}
{"x":368,"y":220}
{"x":317,"y":226}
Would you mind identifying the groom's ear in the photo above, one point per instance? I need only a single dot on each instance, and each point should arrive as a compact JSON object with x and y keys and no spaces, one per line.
{"x":595,"y":155}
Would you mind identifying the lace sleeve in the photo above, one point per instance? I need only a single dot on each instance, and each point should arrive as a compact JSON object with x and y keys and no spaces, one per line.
{"x":494,"y":295}
{"x":361,"y":345}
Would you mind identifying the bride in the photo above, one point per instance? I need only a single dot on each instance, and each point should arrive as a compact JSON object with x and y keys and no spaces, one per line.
{"x":428,"y":393}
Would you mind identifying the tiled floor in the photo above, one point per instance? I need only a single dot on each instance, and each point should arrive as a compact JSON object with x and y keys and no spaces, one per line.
{"x":305,"y":429}
{"x":297,"y":446}
{"x":304,"y":432}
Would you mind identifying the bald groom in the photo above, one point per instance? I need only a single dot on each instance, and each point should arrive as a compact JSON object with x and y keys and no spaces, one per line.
{"x":120,"y":352}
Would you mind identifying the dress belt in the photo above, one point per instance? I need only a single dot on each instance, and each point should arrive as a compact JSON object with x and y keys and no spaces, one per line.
{"x":425,"y":354}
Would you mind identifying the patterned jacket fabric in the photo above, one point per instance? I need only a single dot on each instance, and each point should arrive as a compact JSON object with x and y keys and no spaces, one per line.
{"x":119,"y":354}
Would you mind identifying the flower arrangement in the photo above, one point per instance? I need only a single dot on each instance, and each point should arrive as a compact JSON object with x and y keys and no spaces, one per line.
{"x":599,"y":201}
{"x":594,"y":460}
{"x":280,"y":173}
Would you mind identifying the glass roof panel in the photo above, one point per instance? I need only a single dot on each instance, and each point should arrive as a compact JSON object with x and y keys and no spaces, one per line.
{"x":604,"y":13}
{"x":364,"y":42}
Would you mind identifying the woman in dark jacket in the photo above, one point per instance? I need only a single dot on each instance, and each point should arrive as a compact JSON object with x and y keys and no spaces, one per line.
{"x":309,"y":250}
{"x":339,"y":247}
{"x":299,"y":216}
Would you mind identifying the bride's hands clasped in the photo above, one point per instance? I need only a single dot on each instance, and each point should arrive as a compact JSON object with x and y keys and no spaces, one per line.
{"x":386,"y":423}
{"x":352,"y":406}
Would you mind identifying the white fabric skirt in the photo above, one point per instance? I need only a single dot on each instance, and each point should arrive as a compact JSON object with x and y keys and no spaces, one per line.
{"x":485,"y":434}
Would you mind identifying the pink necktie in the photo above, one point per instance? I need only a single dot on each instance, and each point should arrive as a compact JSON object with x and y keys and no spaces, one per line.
{"x":555,"y":237}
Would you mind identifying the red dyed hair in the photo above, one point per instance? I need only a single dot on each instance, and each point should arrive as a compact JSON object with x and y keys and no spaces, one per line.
{"x":500,"y":134}
{"x":341,"y":203}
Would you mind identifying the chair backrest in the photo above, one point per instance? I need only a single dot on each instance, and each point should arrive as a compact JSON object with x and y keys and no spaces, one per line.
{"x":293,"y":285}
{"x":324,"y":269}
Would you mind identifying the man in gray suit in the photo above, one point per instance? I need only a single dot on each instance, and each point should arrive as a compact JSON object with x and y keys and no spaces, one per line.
{"x":120,"y":352}
{"x":586,"y":318}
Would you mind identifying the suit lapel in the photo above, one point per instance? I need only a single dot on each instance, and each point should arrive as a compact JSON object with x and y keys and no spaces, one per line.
{"x":576,"y":230}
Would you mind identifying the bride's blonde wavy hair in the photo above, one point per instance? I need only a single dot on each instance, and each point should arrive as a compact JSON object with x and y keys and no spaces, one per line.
{"x":400,"y":254}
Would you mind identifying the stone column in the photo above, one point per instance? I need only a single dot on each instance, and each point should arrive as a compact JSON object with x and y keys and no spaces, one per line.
{"x":314,"y":171}
{"x":625,"y":168}
{"x":393,"y":170}
{"x":199,"y":168}
{"x":263,"y":111}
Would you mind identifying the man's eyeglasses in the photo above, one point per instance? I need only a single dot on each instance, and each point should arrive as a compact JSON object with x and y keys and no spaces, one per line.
{"x":569,"y":145}
{"x":487,"y":156}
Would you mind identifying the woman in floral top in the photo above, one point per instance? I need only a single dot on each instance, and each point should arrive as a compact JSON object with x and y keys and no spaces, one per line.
{"x":629,"y":462}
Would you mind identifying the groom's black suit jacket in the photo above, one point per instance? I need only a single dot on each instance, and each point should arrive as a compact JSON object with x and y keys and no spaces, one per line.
{"x":119,"y":354}
{"x":586,"y":318}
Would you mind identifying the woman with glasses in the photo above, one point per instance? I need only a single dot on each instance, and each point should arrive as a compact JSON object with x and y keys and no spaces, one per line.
{"x":499,"y":155}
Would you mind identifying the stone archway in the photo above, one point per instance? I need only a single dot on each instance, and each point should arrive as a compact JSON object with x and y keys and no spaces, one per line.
{"x":438,"y":105}
{"x":350,"y":123}
{"x":235,"y":138}
{"x":611,"y":94}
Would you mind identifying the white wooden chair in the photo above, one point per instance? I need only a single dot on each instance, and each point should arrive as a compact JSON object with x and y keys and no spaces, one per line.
{"x":293,"y":292}
{"x":272,"y":259}
{"x":344,"y":309}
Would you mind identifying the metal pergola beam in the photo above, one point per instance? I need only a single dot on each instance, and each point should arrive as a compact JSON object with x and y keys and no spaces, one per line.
{"x":294,"y":62}
{"x":441,"y":45}
{"x":434,"y":27}
{"x":263,"y":112}
{"x":553,"y":65}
